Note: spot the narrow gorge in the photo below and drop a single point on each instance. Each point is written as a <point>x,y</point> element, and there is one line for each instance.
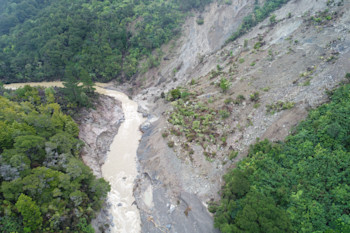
<point>167,137</point>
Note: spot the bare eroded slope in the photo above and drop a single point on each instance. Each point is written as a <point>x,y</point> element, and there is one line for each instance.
<point>294,61</point>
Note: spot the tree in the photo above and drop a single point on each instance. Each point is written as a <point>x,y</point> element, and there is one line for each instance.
<point>175,94</point>
<point>224,84</point>
<point>260,214</point>
<point>273,19</point>
<point>71,86</point>
<point>32,219</point>
<point>65,143</point>
<point>6,139</point>
<point>32,146</point>
<point>88,84</point>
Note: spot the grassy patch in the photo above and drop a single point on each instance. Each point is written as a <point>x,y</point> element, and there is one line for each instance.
<point>279,106</point>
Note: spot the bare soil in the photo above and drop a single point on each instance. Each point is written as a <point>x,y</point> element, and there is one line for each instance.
<point>298,60</point>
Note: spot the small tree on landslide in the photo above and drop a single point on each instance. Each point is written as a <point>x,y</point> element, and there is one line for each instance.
<point>224,84</point>
<point>273,19</point>
<point>175,94</point>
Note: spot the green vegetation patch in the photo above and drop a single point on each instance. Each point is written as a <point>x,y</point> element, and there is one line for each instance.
<point>255,97</point>
<point>323,17</point>
<point>108,39</point>
<point>200,21</point>
<point>239,99</point>
<point>299,185</point>
<point>224,84</point>
<point>197,122</point>
<point>279,106</point>
<point>44,185</point>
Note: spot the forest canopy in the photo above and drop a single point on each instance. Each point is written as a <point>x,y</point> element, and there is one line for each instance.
<point>107,39</point>
<point>299,185</point>
<point>44,185</point>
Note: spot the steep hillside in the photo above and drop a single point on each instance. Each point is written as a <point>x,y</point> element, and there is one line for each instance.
<point>107,39</point>
<point>258,86</point>
<point>238,73</point>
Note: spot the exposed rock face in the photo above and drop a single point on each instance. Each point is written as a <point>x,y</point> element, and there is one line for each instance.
<point>170,190</point>
<point>198,43</point>
<point>97,129</point>
<point>165,204</point>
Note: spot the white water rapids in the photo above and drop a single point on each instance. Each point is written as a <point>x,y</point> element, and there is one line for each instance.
<point>119,168</point>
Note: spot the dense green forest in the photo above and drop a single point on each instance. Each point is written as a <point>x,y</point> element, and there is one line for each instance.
<point>107,39</point>
<point>44,185</point>
<point>299,185</point>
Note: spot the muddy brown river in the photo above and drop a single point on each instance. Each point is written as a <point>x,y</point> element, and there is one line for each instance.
<point>119,168</point>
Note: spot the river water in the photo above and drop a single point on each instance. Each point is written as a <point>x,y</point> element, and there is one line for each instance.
<point>119,168</point>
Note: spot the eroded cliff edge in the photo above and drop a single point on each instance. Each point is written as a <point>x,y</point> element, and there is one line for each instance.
<point>98,128</point>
